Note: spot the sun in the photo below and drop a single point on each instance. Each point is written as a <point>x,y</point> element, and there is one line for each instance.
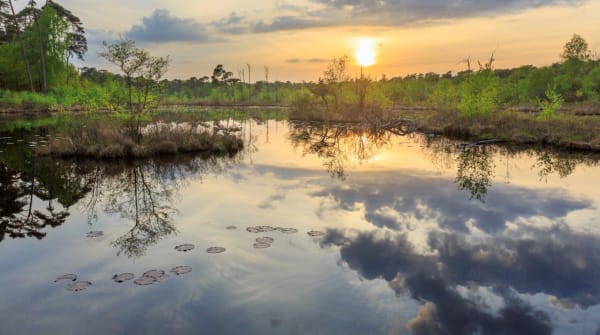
<point>364,51</point>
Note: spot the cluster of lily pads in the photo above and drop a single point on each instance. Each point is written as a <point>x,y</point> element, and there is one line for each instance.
<point>74,286</point>
<point>156,275</point>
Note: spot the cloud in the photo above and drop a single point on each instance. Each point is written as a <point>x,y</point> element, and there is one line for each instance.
<point>307,60</point>
<point>447,312</point>
<point>558,263</point>
<point>163,27</point>
<point>386,206</point>
<point>402,12</point>
<point>325,13</point>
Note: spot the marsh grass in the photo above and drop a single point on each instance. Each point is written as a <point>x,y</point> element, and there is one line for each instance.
<point>111,139</point>
<point>564,130</point>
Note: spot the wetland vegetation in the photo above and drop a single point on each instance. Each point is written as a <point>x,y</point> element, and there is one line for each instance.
<point>455,203</point>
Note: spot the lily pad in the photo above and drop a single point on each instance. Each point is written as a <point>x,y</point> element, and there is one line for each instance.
<point>154,274</point>
<point>185,247</point>
<point>70,276</point>
<point>215,250</point>
<point>143,281</point>
<point>266,239</point>
<point>123,277</point>
<point>78,286</point>
<point>260,229</point>
<point>261,245</point>
<point>315,233</point>
<point>286,230</point>
<point>179,270</point>
<point>94,234</point>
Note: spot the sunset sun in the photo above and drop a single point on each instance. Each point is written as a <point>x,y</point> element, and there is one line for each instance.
<point>364,51</point>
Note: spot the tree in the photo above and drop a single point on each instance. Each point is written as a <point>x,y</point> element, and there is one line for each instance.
<point>221,76</point>
<point>576,48</point>
<point>136,64</point>
<point>35,13</point>
<point>76,33</point>
<point>23,52</point>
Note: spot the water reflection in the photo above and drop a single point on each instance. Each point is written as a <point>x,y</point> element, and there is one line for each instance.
<point>141,192</point>
<point>447,249</point>
<point>20,217</point>
<point>343,145</point>
<point>475,170</point>
<point>338,144</point>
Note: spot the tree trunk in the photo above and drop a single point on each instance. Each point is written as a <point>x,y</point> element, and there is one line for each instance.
<point>23,53</point>
<point>42,54</point>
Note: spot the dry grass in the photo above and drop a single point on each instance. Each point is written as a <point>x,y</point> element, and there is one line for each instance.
<point>564,131</point>
<point>110,140</point>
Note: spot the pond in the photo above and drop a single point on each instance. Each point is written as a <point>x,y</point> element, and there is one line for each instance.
<point>312,229</point>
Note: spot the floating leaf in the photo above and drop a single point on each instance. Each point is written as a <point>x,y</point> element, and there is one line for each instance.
<point>261,245</point>
<point>260,229</point>
<point>70,276</point>
<point>179,270</point>
<point>156,274</point>
<point>215,250</point>
<point>315,233</point>
<point>94,234</point>
<point>266,239</point>
<point>184,247</point>
<point>123,277</point>
<point>287,230</point>
<point>78,286</point>
<point>231,227</point>
<point>144,281</point>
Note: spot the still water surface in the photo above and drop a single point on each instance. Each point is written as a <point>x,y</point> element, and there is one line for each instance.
<point>421,236</point>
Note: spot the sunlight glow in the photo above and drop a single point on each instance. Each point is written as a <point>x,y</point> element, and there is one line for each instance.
<point>364,51</point>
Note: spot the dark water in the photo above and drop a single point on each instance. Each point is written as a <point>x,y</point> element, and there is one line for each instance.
<point>421,237</point>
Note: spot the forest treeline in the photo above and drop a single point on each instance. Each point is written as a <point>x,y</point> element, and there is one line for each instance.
<point>38,44</point>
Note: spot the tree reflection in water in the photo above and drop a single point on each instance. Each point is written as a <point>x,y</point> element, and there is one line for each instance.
<point>19,217</point>
<point>339,144</point>
<point>475,170</point>
<point>143,193</point>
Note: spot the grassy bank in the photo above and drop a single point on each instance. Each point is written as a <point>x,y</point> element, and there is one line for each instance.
<point>107,137</point>
<point>565,130</point>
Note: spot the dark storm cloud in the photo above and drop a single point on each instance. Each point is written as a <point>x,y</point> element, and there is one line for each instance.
<point>161,26</point>
<point>558,263</point>
<point>410,197</point>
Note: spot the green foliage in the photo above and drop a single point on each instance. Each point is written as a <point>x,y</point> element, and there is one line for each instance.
<point>576,48</point>
<point>550,105</point>
<point>478,93</point>
<point>591,84</point>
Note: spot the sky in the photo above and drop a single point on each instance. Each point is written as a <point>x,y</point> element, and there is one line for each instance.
<point>296,39</point>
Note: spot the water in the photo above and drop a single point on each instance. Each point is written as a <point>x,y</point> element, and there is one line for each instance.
<point>421,236</point>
